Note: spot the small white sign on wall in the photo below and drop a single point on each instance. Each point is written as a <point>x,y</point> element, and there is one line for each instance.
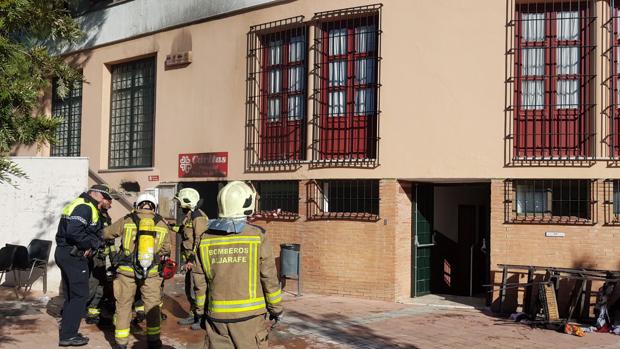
<point>554,234</point>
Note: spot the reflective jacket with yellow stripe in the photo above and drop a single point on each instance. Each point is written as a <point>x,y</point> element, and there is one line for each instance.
<point>126,229</point>
<point>194,224</point>
<point>241,274</point>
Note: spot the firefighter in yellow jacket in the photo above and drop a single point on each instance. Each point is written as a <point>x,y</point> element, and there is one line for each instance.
<point>193,225</point>
<point>145,242</point>
<point>241,274</point>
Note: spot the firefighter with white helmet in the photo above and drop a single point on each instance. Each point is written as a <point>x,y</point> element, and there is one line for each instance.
<point>145,243</point>
<point>241,274</point>
<point>193,225</point>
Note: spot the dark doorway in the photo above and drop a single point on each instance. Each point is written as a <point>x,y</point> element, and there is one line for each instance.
<point>450,226</point>
<point>208,193</point>
<point>464,269</point>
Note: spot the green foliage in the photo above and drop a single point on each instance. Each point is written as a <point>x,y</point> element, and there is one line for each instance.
<point>26,71</point>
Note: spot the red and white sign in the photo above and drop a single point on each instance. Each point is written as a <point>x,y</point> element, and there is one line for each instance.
<point>203,165</point>
<point>154,178</point>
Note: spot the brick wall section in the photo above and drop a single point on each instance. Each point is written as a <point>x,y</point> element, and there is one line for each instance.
<point>352,258</point>
<point>593,246</point>
<point>403,234</point>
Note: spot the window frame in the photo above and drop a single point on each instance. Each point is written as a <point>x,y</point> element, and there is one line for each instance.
<point>555,192</point>
<point>613,131</point>
<point>71,144</point>
<point>612,201</point>
<point>318,199</point>
<point>276,144</point>
<point>148,104</point>
<point>351,139</point>
<point>279,213</point>
<point>551,132</point>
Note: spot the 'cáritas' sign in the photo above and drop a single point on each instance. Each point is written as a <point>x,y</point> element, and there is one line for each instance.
<point>203,165</point>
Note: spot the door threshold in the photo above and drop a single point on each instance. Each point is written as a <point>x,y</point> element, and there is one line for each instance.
<point>448,301</point>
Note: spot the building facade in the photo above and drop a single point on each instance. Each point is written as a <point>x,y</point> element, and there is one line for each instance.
<point>409,147</point>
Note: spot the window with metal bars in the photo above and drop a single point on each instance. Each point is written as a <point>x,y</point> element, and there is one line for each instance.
<point>278,199</point>
<point>611,106</point>
<point>612,201</point>
<point>277,93</point>
<point>346,87</point>
<point>557,201</point>
<point>550,81</point>
<point>69,111</point>
<point>132,114</point>
<point>356,199</point>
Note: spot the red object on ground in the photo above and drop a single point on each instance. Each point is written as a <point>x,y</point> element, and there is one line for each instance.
<point>169,269</point>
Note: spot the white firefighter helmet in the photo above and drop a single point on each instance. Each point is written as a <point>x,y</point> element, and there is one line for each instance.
<point>147,197</point>
<point>188,198</point>
<point>236,200</point>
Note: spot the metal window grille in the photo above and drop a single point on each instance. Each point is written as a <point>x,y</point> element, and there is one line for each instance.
<point>69,110</point>
<point>276,95</point>
<point>346,113</point>
<point>278,199</point>
<point>611,201</point>
<point>132,114</point>
<point>355,199</point>
<point>550,83</point>
<point>557,201</point>
<point>611,82</point>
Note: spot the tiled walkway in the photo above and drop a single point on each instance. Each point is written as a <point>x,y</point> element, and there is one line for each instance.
<point>313,321</point>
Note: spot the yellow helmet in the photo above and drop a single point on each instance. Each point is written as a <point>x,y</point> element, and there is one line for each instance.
<point>236,200</point>
<point>188,198</point>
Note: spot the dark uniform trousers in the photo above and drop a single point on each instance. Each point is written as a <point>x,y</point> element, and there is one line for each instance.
<point>75,276</point>
<point>96,282</point>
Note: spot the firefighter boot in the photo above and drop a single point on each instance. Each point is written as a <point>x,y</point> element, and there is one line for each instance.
<point>196,326</point>
<point>93,316</point>
<point>156,344</point>
<point>190,320</point>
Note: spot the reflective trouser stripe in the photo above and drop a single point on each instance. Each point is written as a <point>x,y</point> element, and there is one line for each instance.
<point>93,311</point>
<point>236,306</point>
<point>139,308</point>
<point>274,298</point>
<point>124,333</point>
<point>153,330</point>
<point>200,300</point>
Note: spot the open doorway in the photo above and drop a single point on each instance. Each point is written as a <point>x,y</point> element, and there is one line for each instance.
<point>208,193</point>
<point>450,226</point>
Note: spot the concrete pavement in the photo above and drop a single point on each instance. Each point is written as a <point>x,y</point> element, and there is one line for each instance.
<point>310,321</point>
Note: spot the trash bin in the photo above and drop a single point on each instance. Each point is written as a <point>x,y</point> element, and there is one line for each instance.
<point>290,263</point>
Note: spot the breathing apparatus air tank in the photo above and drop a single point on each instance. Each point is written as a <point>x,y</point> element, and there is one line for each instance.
<point>146,244</point>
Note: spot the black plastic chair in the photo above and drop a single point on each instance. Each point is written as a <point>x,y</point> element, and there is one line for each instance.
<point>7,253</point>
<point>20,262</point>
<point>38,257</point>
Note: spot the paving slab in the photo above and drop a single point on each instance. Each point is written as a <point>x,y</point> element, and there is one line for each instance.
<point>310,321</point>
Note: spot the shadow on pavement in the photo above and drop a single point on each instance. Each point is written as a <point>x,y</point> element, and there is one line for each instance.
<point>11,317</point>
<point>337,329</point>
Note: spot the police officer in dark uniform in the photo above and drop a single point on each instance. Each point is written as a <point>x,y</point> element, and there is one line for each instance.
<point>79,235</point>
